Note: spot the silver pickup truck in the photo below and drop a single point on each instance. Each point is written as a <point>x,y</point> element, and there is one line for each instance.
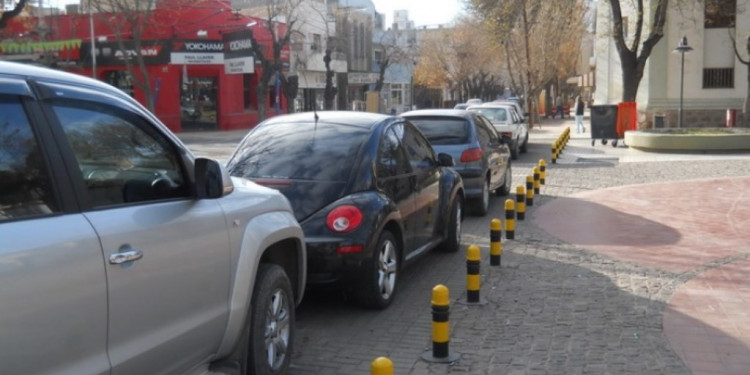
<point>122,253</point>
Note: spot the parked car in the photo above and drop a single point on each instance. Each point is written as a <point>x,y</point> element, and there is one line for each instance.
<point>507,122</point>
<point>461,106</point>
<point>122,252</point>
<point>482,156</point>
<point>368,189</point>
<point>474,101</point>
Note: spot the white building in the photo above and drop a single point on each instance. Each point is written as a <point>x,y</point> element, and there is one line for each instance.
<point>715,81</point>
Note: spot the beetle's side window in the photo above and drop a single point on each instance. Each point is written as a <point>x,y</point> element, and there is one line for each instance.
<point>25,184</point>
<point>391,159</point>
<point>418,149</point>
<point>122,159</point>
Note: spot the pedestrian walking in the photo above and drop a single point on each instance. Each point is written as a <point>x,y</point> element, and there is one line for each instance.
<point>579,115</point>
<point>559,105</point>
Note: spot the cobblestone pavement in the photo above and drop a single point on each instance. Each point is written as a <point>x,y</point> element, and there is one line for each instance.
<point>551,308</point>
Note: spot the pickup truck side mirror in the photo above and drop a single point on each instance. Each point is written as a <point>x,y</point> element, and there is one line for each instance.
<point>211,179</point>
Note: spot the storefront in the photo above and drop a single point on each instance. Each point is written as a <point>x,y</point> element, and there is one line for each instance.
<point>201,77</point>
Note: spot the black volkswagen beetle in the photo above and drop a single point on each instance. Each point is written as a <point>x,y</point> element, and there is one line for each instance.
<point>368,190</point>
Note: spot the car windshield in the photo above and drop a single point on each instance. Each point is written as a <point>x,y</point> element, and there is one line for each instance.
<point>300,151</point>
<point>443,130</point>
<point>494,114</point>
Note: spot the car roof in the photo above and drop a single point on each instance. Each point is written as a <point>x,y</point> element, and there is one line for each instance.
<point>36,72</point>
<point>493,105</point>
<point>438,112</point>
<point>351,118</point>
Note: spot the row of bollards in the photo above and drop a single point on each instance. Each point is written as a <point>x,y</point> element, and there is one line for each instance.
<point>440,301</point>
<point>557,147</point>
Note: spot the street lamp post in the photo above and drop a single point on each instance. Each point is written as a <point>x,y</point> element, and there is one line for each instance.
<point>682,48</point>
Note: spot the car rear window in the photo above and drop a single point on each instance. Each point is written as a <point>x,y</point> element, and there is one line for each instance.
<point>443,130</point>
<point>494,114</point>
<point>300,151</point>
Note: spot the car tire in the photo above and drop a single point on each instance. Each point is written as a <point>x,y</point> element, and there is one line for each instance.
<point>525,144</point>
<point>452,242</point>
<point>481,205</point>
<point>507,181</point>
<point>514,150</point>
<point>271,327</point>
<point>380,278</point>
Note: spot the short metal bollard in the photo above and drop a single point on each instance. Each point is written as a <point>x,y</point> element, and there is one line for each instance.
<point>529,191</point>
<point>473,260</point>
<point>381,366</point>
<point>520,203</point>
<point>553,153</point>
<point>496,244</point>
<point>510,221</point>
<point>440,327</point>
<point>542,171</point>
<point>537,176</point>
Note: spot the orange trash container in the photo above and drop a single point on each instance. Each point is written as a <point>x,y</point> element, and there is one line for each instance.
<point>627,117</point>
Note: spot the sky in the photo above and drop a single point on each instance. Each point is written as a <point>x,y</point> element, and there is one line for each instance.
<point>422,12</point>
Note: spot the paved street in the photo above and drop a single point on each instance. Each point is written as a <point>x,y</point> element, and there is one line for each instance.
<point>628,263</point>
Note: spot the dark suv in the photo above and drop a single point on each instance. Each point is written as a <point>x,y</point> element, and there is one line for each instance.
<point>481,156</point>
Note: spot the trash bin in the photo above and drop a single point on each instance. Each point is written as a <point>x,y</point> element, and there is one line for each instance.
<point>731,117</point>
<point>603,123</point>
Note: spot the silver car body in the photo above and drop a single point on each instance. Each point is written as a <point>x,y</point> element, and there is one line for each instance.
<point>507,121</point>
<point>69,307</point>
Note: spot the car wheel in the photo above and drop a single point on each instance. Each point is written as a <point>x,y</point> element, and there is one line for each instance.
<point>481,205</point>
<point>514,150</point>
<point>507,181</point>
<point>271,318</point>
<point>379,281</point>
<point>525,145</point>
<point>452,242</point>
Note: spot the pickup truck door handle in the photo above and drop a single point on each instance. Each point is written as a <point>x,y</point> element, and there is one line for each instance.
<point>125,256</point>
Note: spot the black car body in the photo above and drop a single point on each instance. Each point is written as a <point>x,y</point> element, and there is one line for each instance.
<point>481,155</point>
<point>368,190</point>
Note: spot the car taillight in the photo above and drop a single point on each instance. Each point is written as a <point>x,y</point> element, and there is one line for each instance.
<point>350,249</point>
<point>344,219</point>
<point>470,155</point>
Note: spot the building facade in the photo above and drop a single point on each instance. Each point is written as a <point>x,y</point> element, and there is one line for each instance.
<point>197,59</point>
<point>713,84</point>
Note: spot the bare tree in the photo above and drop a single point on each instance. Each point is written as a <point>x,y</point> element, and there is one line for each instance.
<point>281,18</point>
<point>464,58</point>
<point>540,38</point>
<point>5,16</point>
<point>128,19</point>
<point>634,56</point>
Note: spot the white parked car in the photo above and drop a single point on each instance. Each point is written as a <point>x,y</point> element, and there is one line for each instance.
<point>507,121</point>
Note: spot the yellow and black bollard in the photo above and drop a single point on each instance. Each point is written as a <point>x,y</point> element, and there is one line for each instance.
<point>440,327</point>
<point>381,366</point>
<point>473,259</point>
<point>510,219</point>
<point>529,191</point>
<point>520,203</point>
<point>496,244</point>
<point>537,176</point>
<point>542,171</point>
<point>553,153</point>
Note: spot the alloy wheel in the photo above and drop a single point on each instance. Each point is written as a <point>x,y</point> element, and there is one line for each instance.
<point>278,331</point>
<point>387,269</point>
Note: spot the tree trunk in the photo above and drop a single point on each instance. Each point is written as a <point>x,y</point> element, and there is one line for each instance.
<point>527,47</point>
<point>632,72</point>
